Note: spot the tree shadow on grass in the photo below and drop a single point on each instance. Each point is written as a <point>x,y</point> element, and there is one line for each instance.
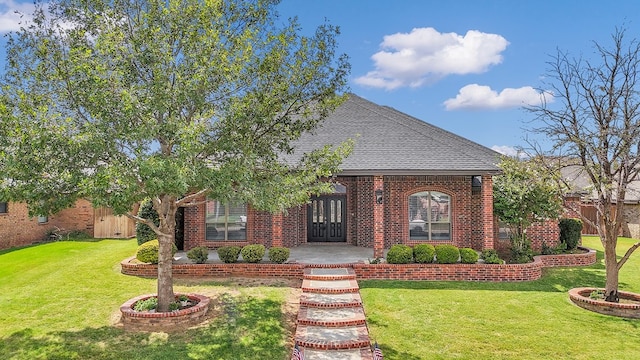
<point>559,279</point>
<point>243,328</point>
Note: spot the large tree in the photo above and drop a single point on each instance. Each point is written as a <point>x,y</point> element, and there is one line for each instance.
<point>173,100</point>
<point>594,125</point>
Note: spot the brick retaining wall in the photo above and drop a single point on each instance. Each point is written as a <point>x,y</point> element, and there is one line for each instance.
<point>439,272</point>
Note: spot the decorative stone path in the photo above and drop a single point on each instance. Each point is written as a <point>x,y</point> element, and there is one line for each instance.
<point>331,320</point>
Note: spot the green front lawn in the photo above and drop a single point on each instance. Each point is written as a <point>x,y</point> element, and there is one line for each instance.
<point>61,301</point>
<point>532,320</point>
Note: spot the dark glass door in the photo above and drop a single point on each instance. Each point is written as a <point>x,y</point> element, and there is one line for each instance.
<point>326,219</point>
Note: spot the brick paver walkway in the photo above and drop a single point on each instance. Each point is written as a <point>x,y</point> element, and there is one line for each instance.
<point>331,322</point>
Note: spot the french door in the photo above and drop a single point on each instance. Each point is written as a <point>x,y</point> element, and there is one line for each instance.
<point>326,219</point>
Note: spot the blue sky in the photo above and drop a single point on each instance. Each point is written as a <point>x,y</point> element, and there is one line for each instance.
<point>466,66</point>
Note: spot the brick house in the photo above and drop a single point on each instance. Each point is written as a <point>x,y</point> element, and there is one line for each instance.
<point>406,182</point>
<point>18,229</point>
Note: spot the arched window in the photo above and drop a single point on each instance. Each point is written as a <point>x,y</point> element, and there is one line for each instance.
<point>429,216</point>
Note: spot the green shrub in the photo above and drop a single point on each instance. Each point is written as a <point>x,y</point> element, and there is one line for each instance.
<point>400,254</point>
<point>229,254</point>
<point>423,253</point>
<point>253,253</point>
<point>551,250</point>
<point>198,255</point>
<point>490,256</point>
<point>570,232</point>
<point>279,254</point>
<point>148,252</point>
<point>468,256</point>
<point>146,304</point>
<point>447,254</point>
<point>144,232</point>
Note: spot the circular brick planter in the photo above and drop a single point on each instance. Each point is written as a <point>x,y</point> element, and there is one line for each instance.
<point>152,321</point>
<point>580,297</point>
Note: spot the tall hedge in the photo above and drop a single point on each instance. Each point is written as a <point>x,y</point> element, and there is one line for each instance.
<point>144,232</point>
<point>570,232</point>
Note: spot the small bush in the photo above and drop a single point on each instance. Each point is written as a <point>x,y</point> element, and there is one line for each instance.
<point>423,253</point>
<point>279,254</point>
<point>198,255</point>
<point>229,254</point>
<point>490,256</point>
<point>468,256</point>
<point>550,250</point>
<point>253,253</point>
<point>144,232</point>
<point>570,232</point>
<point>148,252</point>
<point>447,254</point>
<point>146,304</point>
<point>400,254</point>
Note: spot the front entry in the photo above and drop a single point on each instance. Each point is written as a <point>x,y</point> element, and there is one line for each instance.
<point>326,219</point>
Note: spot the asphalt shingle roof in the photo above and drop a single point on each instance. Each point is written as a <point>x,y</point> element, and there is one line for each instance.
<point>388,141</point>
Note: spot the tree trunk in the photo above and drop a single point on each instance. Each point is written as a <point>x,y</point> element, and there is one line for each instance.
<point>611,266</point>
<point>167,213</point>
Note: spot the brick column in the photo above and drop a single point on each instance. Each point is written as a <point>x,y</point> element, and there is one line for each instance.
<point>276,229</point>
<point>378,218</point>
<point>487,211</point>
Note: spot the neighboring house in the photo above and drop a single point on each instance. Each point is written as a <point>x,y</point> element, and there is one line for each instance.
<point>406,182</point>
<point>18,229</point>
<point>580,202</point>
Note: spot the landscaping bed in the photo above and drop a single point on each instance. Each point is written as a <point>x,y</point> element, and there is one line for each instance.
<point>190,313</point>
<point>445,272</point>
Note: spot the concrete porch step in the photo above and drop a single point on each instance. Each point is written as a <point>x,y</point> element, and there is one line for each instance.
<point>332,338</point>
<point>331,317</point>
<point>350,354</point>
<point>330,300</point>
<point>329,273</point>
<point>330,286</point>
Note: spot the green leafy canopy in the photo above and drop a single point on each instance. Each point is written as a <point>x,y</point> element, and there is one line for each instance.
<point>118,101</point>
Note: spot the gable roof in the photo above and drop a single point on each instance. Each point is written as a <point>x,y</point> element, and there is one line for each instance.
<point>389,142</point>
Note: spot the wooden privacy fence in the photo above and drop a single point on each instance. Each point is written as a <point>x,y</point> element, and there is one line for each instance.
<point>107,225</point>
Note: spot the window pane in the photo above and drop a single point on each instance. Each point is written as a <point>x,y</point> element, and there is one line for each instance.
<point>332,211</point>
<point>237,223</point>
<point>3,207</point>
<point>419,216</point>
<point>215,220</point>
<point>429,216</point>
<point>339,211</point>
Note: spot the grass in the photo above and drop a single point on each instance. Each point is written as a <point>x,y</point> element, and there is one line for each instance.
<point>61,301</point>
<point>530,320</point>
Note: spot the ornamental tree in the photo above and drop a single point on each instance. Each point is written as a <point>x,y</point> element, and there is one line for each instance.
<point>525,193</point>
<point>594,126</point>
<point>171,100</point>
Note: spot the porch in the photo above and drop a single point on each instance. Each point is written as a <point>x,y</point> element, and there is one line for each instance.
<point>311,253</point>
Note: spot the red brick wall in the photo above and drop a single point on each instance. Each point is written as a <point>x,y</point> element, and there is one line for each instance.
<point>439,272</point>
<point>18,229</point>
<point>467,210</point>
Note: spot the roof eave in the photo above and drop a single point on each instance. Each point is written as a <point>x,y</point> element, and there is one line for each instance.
<point>414,172</point>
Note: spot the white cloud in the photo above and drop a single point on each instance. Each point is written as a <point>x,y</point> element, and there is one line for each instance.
<point>425,55</point>
<point>476,96</point>
<point>506,150</point>
<point>14,14</point>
